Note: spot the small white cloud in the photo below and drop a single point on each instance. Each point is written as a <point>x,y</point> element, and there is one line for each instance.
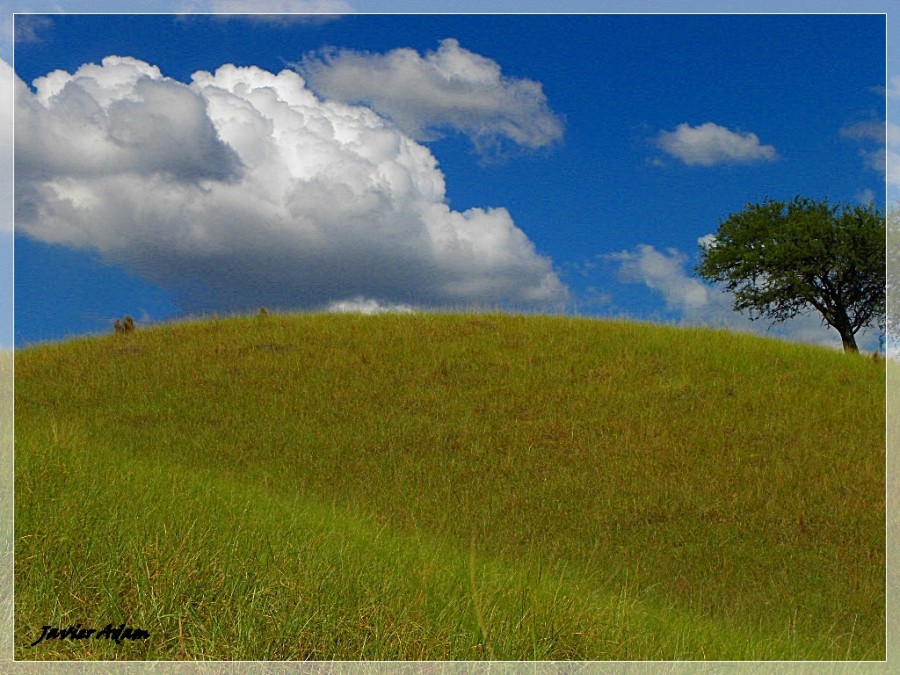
<point>362,305</point>
<point>451,88</point>
<point>886,139</point>
<point>866,196</point>
<point>663,272</point>
<point>707,240</point>
<point>710,144</point>
<point>876,159</point>
<point>869,130</point>
<point>31,27</point>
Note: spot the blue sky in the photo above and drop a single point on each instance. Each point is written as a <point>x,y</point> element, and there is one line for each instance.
<point>546,163</point>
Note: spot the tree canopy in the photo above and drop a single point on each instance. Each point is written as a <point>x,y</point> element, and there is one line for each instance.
<point>780,259</point>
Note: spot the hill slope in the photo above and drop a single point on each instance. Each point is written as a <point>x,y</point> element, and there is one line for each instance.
<point>449,487</point>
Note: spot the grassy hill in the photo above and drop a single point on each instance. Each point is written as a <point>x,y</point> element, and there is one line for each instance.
<point>449,487</point>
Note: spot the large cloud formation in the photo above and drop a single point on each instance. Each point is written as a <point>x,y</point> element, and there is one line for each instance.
<point>451,88</point>
<point>246,188</point>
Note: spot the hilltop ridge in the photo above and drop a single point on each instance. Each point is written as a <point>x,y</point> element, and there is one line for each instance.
<point>452,486</point>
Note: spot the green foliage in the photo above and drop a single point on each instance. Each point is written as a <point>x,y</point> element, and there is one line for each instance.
<point>780,259</point>
<point>439,487</point>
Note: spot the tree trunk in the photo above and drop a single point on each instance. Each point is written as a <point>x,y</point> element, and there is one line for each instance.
<point>849,340</point>
<point>841,323</point>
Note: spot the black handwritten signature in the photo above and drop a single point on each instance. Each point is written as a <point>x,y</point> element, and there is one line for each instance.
<point>119,634</point>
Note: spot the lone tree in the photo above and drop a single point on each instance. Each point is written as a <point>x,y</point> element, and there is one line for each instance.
<point>781,259</point>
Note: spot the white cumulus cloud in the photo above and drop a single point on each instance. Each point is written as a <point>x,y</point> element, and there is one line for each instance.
<point>710,144</point>
<point>244,188</point>
<point>119,118</point>
<point>663,272</point>
<point>696,303</point>
<point>873,137</point>
<point>451,88</point>
<point>360,305</point>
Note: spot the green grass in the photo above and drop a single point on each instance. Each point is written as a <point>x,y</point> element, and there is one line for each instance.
<point>437,487</point>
